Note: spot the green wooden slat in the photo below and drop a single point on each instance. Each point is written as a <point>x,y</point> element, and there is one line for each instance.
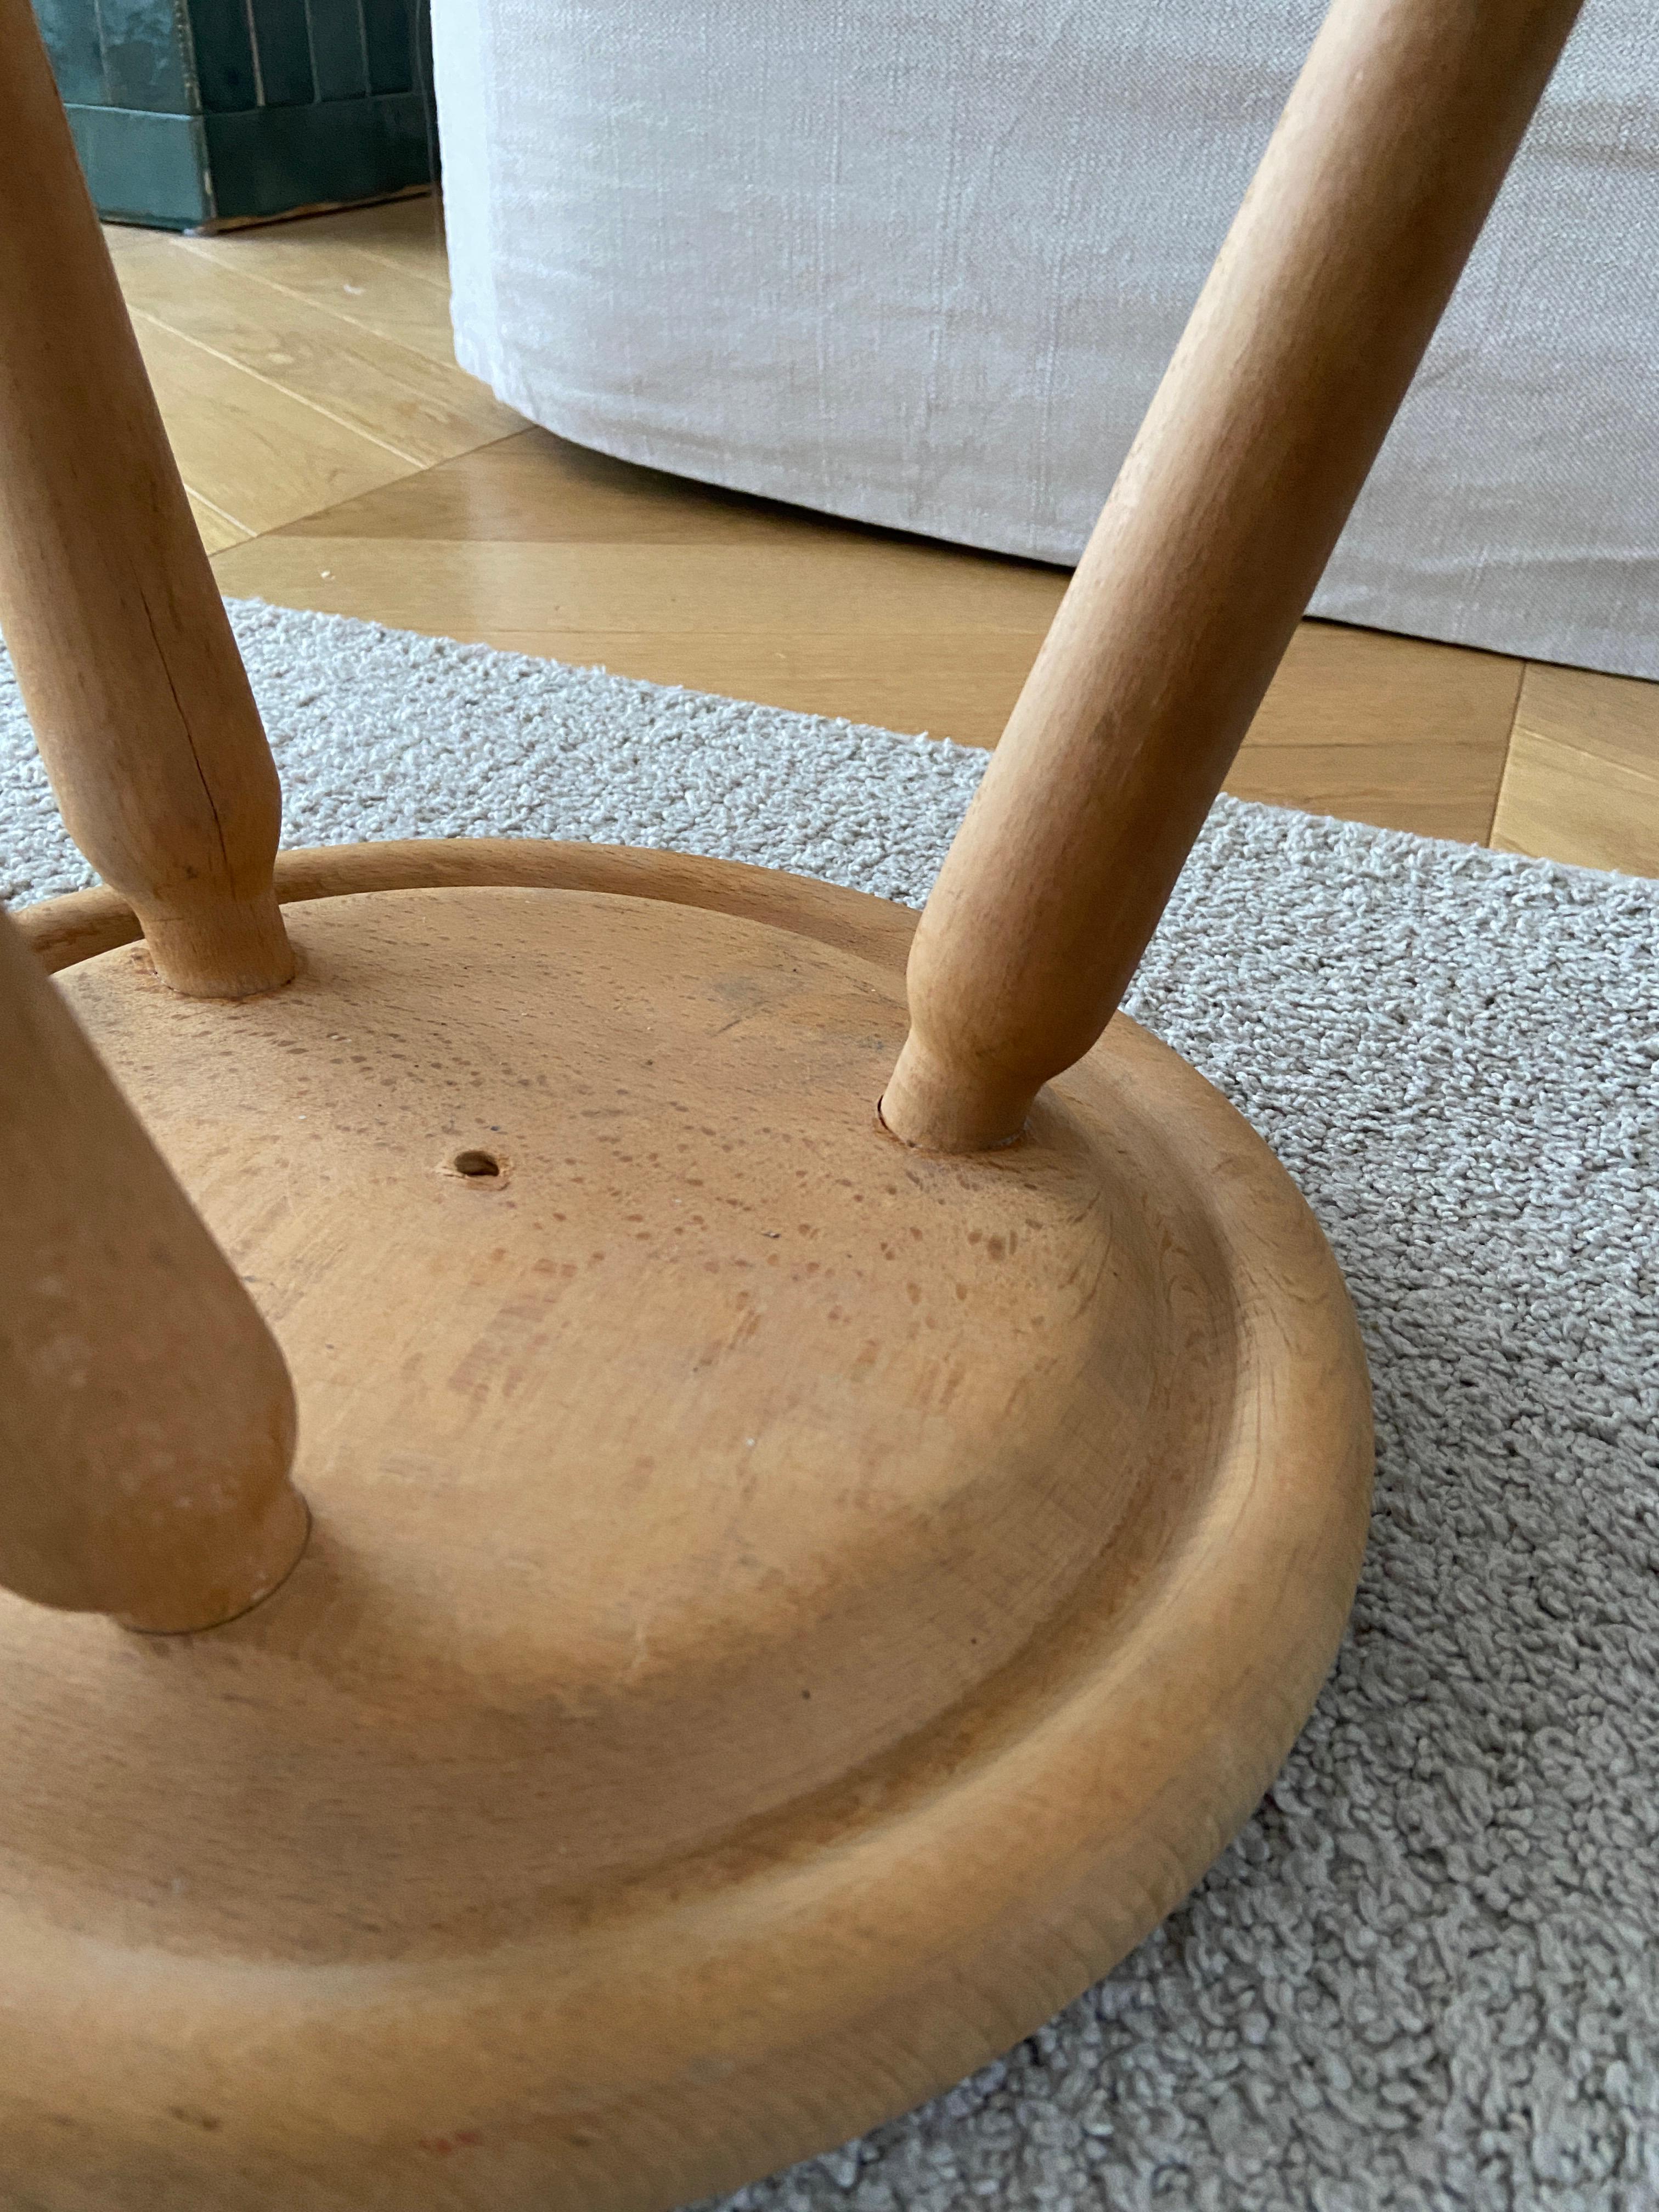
<point>145,53</point>
<point>282,37</point>
<point>224,54</point>
<point>268,160</point>
<point>388,29</point>
<point>336,47</point>
<point>152,168</point>
<point>70,28</point>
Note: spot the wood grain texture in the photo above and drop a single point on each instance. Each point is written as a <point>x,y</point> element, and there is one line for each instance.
<point>122,649</point>
<point>407,235</point>
<point>816,617</point>
<point>778,583</point>
<point>1302,345</point>
<point>418,409</point>
<point>341,279</point>
<point>1395,731</point>
<point>537,488</point>
<point>215,531</point>
<point>61,932</point>
<point>1581,782</point>
<point>726,1523</point>
<point>254,451</point>
<point>147,1421</point>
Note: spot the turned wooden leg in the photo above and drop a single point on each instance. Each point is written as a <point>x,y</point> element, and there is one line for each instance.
<point>126,661</point>
<point>1299,351</point>
<point>146,1417</point>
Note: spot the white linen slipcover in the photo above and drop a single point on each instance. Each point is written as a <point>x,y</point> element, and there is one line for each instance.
<point>921,262</point>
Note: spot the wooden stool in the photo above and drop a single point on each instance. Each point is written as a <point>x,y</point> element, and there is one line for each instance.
<point>774,1595</point>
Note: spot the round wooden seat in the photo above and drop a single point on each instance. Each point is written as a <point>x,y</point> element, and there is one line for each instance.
<point>750,1557</point>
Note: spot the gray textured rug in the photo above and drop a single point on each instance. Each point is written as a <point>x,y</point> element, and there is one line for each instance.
<point>1427,1974</point>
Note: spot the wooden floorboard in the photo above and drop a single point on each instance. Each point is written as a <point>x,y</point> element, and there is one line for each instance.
<point>1581,782</point>
<point>416,407</point>
<point>539,488</point>
<point>338,458</point>
<point>251,451</point>
<point>541,547</point>
<point>1383,729</point>
<point>406,233</point>
<point>218,531</point>
<point>344,282</point>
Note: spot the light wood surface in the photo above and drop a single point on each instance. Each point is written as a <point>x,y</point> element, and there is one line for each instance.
<point>1582,779</point>
<point>1395,731</point>
<point>538,546</point>
<point>254,451</point>
<point>298,366</point>
<point>146,1417</point>
<point>419,410</point>
<point>63,932</point>
<point>216,531</point>
<point>782,1614</point>
<point>1298,353</point>
<point>406,234</point>
<point>1401,731</point>
<point>119,636</point>
<point>404,301</point>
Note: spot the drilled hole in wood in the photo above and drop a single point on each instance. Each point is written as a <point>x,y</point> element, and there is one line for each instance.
<point>476,1166</point>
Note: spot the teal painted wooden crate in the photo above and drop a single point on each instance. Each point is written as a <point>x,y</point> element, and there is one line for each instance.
<point>189,112</point>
